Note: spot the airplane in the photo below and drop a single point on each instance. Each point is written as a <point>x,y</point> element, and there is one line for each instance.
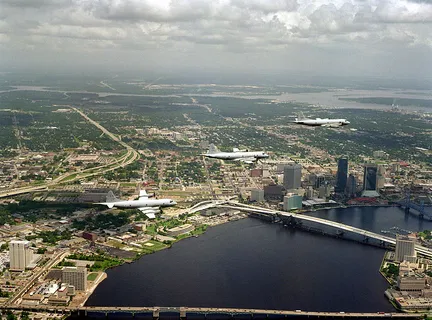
<point>320,122</point>
<point>245,156</point>
<point>147,206</point>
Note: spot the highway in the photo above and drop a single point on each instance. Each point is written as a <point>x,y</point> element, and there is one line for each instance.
<point>340,226</point>
<point>131,156</point>
<point>184,311</point>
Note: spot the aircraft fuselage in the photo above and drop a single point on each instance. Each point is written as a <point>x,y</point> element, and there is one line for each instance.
<point>143,203</point>
<point>237,155</point>
<point>323,122</point>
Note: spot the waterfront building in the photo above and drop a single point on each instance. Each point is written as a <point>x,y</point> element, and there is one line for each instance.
<point>370,176</point>
<point>411,282</point>
<point>257,195</point>
<point>20,254</point>
<point>351,187</point>
<point>309,193</point>
<point>405,248</point>
<point>185,228</point>
<point>341,175</point>
<point>292,176</point>
<point>324,191</point>
<point>75,276</point>
<point>292,202</point>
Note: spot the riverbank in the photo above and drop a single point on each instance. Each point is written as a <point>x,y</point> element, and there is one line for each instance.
<point>82,298</point>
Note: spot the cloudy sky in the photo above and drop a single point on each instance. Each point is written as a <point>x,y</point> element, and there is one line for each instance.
<point>349,37</point>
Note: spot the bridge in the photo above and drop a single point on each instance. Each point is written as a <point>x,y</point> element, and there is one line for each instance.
<point>205,313</point>
<point>288,216</point>
<point>408,205</point>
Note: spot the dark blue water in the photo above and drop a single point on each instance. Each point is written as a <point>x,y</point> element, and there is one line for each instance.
<point>254,264</point>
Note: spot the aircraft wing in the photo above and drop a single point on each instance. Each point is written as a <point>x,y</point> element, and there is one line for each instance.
<point>150,212</point>
<point>246,160</point>
<point>332,125</point>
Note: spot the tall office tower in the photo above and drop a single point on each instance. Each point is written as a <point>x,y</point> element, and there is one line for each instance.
<point>404,249</point>
<point>20,254</point>
<point>351,187</point>
<point>292,176</point>
<point>370,177</point>
<point>341,176</point>
<point>75,276</point>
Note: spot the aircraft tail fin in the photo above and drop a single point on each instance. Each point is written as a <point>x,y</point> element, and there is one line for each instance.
<point>300,116</point>
<point>111,197</point>
<point>213,149</point>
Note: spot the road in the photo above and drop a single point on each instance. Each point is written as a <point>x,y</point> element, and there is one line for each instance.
<point>55,259</point>
<point>131,156</point>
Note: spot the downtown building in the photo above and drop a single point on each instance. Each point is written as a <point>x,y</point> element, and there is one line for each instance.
<point>342,175</point>
<point>370,181</point>
<point>351,186</point>
<point>20,254</point>
<point>405,249</point>
<point>292,176</point>
<point>292,202</point>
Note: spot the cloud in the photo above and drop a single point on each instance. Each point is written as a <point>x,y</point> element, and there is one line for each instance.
<point>222,29</point>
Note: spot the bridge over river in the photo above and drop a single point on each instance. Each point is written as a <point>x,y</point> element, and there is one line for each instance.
<point>206,313</point>
<point>288,216</point>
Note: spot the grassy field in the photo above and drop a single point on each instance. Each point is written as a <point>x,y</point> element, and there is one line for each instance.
<point>92,276</point>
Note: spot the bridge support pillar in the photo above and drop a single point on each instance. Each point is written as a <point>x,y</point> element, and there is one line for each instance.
<point>156,314</point>
<point>407,209</point>
<point>366,239</point>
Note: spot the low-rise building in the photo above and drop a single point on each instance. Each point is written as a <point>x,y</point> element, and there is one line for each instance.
<point>411,282</point>
<point>185,228</point>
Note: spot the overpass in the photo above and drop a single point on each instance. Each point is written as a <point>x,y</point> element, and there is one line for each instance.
<point>206,313</point>
<point>302,217</point>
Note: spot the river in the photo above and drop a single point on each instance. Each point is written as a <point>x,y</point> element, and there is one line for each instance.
<point>254,264</point>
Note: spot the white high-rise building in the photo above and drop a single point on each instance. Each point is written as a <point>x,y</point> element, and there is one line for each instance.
<point>76,277</point>
<point>20,254</point>
<point>405,249</point>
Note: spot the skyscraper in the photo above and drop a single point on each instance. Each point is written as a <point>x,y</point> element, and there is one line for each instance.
<point>404,249</point>
<point>341,176</point>
<point>351,187</point>
<point>292,176</point>
<point>370,177</point>
<point>20,254</point>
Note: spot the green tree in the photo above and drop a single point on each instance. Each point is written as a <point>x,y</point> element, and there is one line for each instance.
<point>25,315</point>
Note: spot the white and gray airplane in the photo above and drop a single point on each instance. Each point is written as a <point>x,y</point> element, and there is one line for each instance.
<point>320,122</point>
<point>147,206</point>
<point>237,155</point>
